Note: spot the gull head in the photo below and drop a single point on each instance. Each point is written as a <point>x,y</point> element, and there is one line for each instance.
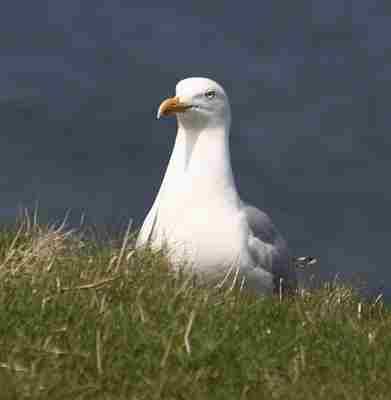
<point>198,103</point>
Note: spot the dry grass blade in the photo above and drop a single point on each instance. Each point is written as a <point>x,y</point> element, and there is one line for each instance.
<point>166,352</point>
<point>123,247</point>
<point>99,352</point>
<point>92,285</point>
<point>188,330</point>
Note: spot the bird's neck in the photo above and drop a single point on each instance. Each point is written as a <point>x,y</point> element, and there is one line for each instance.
<point>200,165</point>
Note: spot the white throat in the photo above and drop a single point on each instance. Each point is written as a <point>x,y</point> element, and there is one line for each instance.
<point>199,169</point>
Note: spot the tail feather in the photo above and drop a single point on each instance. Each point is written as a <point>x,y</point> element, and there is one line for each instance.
<point>303,262</point>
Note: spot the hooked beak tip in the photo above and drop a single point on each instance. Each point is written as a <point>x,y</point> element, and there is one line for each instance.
<point>171,106</point>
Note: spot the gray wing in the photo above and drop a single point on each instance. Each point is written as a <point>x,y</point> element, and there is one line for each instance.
<point>269,249</point>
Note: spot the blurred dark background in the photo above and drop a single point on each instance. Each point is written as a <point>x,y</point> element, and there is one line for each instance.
<point>309,83</point>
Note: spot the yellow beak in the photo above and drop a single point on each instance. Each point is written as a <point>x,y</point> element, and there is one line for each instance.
<point>171,106</point>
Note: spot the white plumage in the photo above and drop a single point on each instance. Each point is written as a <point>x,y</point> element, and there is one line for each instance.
<point>198,213</point>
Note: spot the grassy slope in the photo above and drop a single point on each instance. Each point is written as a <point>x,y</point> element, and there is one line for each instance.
<point>81,320</point>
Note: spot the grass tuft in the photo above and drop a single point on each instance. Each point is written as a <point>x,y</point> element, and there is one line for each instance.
<point>86,319</point>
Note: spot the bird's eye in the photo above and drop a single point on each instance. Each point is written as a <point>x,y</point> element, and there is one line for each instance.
<point>210,94</point>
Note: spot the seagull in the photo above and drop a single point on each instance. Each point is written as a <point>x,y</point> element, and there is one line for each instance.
<point>198,215</point>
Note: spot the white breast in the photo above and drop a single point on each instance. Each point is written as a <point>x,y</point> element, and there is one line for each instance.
<point>206,246</point>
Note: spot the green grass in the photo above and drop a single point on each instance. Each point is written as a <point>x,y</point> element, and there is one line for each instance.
<point>82,319</point>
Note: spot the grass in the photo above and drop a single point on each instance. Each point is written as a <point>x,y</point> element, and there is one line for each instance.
<point>88,319</point>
